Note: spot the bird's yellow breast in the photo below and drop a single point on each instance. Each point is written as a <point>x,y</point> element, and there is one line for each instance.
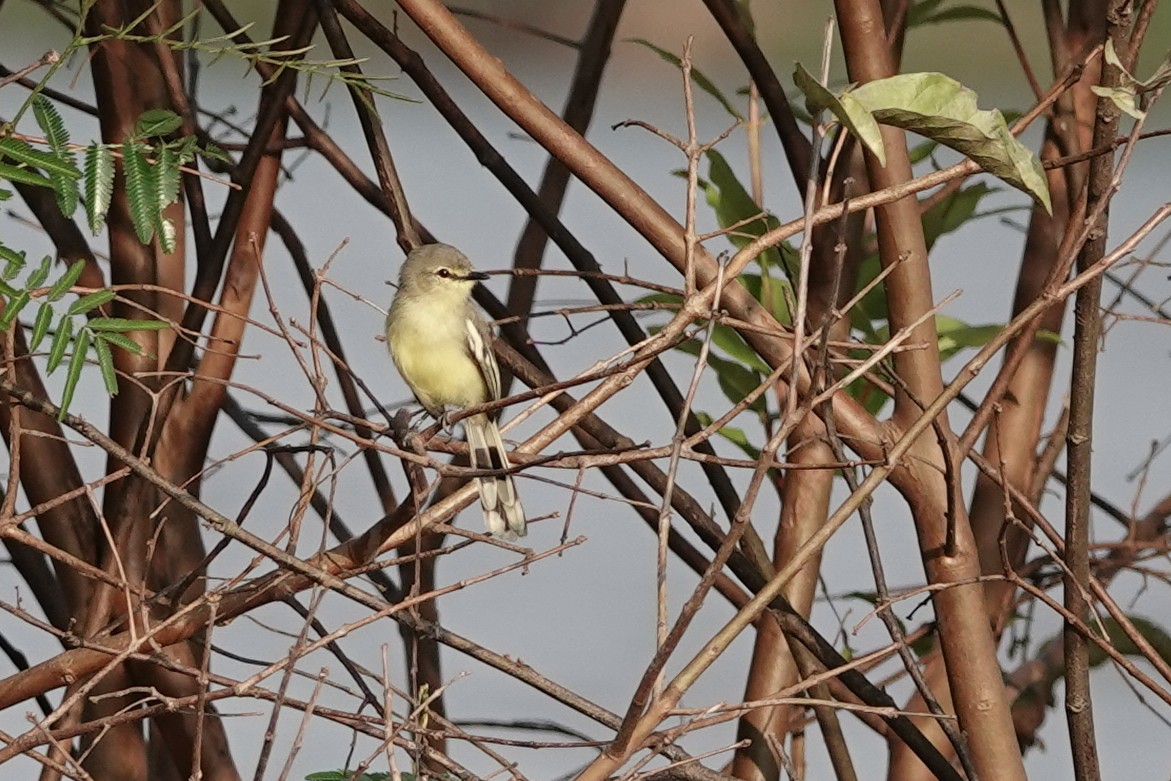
<point>432,356</point>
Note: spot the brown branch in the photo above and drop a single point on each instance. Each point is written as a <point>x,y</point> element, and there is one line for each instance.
<point>946,543</point>
<point>372,128</point>
<point>798,151</point>
<point>1079,436</point>
<point>592,58</point>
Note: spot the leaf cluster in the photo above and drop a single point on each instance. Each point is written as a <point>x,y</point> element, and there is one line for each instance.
<point>151,164</point>
<point>930,104</point>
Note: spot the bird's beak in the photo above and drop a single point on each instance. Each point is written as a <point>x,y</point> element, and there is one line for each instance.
<point>476,276</point>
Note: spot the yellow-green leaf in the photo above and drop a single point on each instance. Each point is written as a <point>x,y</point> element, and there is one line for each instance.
<point>91,301</point>
<point>99,184</point>
<point>61,341</point>
<point>106,365</point>
<point>73,375</point>
<point>40,326</point>
<point>67,280</point>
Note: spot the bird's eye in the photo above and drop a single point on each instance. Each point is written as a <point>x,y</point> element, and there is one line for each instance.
<point>444,273</point>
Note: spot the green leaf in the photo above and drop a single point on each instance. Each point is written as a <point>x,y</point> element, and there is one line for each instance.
<point>40,326</point>
<point>90,302</point>
<point>185,149</point>
<point>38,277</point>
<point>1124,98</point>
<point>57,137</point>
<point>99,184</point>
<point>106,365</point>
<point>23,176</point>
<point>65,191</point>
<point>868,395</point>
<point>772,295</point>
<point>51,124</point>
<point>854,116</point>
<point>734,379</point>
<point>734,435</point>
<point>921,151</point>
<point>697,76</point>
<point>61,340</point>
<point>925,12</point>
<point>141,188</point>
<point>872,308</point>
<point>167,173</point>
<point>73,374</point>
<point>734,206</point>
<point>165,230</point>
<point>21,152</point>
<point>942,109</point>
<point>955,335</point>
<point>924,645</point>
<point>157,122</point>
<point>12,309</point>
<point>126,324</point>
<point>728,339</point>
<point>1147,629</point>
<point>950,213</point>
<point>14,263</point>
<point>123,341</point>
<point>1126,95</point>
<point>67,280</point>
<point>920,10</point>
<point>210,151</point>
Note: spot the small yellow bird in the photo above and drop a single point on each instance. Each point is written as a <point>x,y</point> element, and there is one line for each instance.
<point>443,349</point>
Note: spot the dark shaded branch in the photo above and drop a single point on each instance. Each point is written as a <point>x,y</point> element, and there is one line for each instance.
<point>372,128</point>
<point>593,56</point>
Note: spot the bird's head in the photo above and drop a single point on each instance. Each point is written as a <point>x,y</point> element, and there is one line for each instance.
<point>433,268</point>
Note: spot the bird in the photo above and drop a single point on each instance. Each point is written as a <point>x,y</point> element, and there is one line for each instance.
<point>442,347</point>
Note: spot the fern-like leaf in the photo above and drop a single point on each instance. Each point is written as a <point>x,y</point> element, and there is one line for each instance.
<point>167,168</point>
<point>57,137</point>
<point>123,341</point>
<point>126,324</point>
<point>51,123</point>
<point>90,302</point>
<point>13,264</point>
<point>22,152</point>
<point>66,192</point>
<point>140,190</point>
<point>67,280</point>
<point>99,184</point>
<point>61,341</point>
<point>73,377</point>
<point>12,309</point>
<point>40,326</point>
<point>157,122</point>
<point>106,364</point>
<point>210,151</point>
<point>38,277</point>
<point>165,230</point>
<point>185,150</point>
<point>23,176</point>
<point>167,174</point>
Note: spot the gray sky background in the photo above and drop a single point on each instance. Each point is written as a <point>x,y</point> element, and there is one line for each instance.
<point>586,619</point>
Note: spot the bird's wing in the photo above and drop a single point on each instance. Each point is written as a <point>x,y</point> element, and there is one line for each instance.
<point>480,348</point>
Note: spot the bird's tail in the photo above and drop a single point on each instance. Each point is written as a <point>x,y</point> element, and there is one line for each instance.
<point>503,515</point>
